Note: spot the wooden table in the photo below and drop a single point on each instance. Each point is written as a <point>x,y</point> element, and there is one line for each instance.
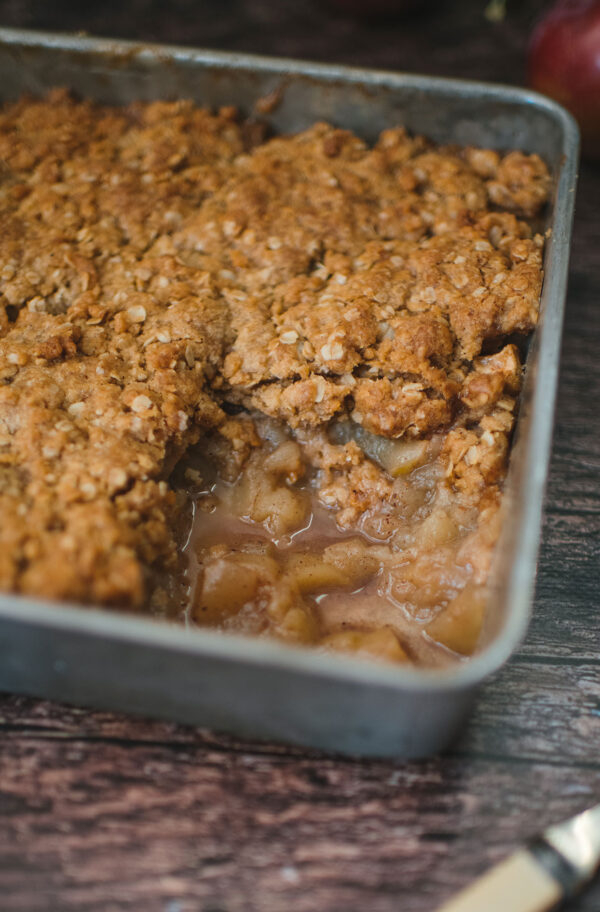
<point>103,812</point>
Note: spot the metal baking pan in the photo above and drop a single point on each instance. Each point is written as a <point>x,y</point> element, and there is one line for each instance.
<point>264,689</point>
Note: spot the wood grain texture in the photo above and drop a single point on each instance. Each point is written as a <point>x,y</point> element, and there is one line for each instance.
<point>102,812</point>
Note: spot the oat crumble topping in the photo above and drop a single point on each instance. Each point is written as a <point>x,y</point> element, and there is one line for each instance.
<point>166,273</point>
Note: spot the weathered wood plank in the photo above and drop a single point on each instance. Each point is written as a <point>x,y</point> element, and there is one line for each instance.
<point>125,824</point>
<point>122,807</point>
<point>566,620</point>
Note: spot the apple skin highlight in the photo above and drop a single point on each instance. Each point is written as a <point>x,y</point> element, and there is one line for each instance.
<point>564,63</point>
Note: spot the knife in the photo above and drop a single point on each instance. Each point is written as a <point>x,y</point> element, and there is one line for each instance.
<point>552,867</point>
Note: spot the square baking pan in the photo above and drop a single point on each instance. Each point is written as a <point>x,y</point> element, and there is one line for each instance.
<point>259,688</point>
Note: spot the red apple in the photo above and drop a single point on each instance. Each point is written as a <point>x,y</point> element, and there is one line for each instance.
<point>564,62</point>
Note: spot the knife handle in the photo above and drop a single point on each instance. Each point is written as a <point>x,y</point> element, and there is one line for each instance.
<point>519,884</point>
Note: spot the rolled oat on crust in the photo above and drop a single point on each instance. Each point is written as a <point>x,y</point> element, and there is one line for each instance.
<point>155,264</point>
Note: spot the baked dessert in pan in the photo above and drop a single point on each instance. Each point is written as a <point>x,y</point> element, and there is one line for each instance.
<point>263,384</point>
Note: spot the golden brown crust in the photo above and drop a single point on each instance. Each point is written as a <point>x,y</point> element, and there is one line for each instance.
<point>152,264</point>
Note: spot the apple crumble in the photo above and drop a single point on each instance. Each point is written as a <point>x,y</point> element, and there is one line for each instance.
<point>265,385</point>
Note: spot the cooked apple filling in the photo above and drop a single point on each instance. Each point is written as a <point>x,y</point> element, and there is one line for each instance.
<point>341,539</point>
